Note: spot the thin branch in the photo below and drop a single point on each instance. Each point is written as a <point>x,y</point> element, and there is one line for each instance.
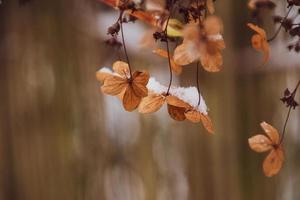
<point>288,114</point>
<point>124,44</point>
<point>168,49</point>
<point>278,30</point>
<point>197,80</point>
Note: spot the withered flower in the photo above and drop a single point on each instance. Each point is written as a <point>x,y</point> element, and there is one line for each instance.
<point>261,143</point>
<point>180,101</point>
<point>259,41</point>
<point>203,43</point>
<point>130,89</point>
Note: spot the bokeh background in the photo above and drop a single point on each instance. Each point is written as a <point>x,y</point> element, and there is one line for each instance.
<point>61,139</point>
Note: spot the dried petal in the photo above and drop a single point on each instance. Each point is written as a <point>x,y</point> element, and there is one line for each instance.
<point>271,132</point>
<point>211,62</point>
<point>114,85</point>
<point>130,99</point>
<point>186,53</point>
<point>257,29</point>
<point>101,76</point>
<point>213,25</point>
<point>177,113</point>
<point>207,123</point>
<point>210,6</point>
<point>174,101</point>
<point>139,82</point>
<point>121,68</point>
<point>259,41</point>
<point>260,143</point>
<point>151,103</point>
<point>273,162</point>
<point>193,116</point>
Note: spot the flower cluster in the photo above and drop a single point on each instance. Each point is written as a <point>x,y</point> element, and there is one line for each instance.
<point>273,142</point>
<point>200,33</point>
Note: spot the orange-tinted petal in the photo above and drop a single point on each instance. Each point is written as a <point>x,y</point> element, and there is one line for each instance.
<point>114,85</point>
<point>101,76</point>
<point>186,53</point>
<point>213,25</point>
<point>271,132</point>
<point>257,29</point>
<point>193,116</point>
<point>210,6</point>
<point>151,103</point>
<point>121,68</point>
<point>139,83</point>
<point>260,143</point>
<point>130,99</point>
<point>211,62</point>
<point>175,101</point>
<point>207,123</point>
<point>176,113</point>
<point>273,162</point>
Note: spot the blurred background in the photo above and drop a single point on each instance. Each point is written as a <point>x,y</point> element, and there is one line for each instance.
<point>61,139</point>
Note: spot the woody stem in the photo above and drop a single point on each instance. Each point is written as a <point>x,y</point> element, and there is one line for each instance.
<point>168,49</point>
<point>278,30</point>
<point>197,79</point>
<point>124,44</point>
<point>288,114</point>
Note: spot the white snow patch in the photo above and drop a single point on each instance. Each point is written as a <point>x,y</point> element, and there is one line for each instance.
<point>188,95</point>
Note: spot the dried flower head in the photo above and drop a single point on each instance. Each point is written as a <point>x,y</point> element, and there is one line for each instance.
<point>203,43</point>
<point>261,143</point>
<point>131,88</point>
<point>182,103</point>
<point>259,41</point>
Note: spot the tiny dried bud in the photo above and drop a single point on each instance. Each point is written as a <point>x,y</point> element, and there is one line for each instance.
<point>277,19</point>
<point>114,29</point>
<point>288,99</point>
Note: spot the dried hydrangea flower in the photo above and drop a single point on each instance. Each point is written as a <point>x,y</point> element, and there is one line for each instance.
<point>131,89</point>
<point>204,44</point>
<point>259,41</point>
<point>261,143</point>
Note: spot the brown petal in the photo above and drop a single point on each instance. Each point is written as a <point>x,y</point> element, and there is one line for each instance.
<point>121,68</point>
<point>273,162</point>
<point>151,103</point>
<point>193,116</point>
<point>210,6</point>
<point>114,85</point>
<point>130,99</point>
<point>161,52</point>
<point>101,76</point>
<point>271,132</point>
<point>212,62</point>
<point>177,69</point>
<point>207,123</point>
<point>256,41</point>
<point>186,53</point>
<point>257,29</point>
<point>260,143</point>
<point>177,113</point>
<point>213,25</point>
<point>139,83</point>
<point>174,101</point>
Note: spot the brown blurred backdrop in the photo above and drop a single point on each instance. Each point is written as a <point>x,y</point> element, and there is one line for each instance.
<point>61,139</point>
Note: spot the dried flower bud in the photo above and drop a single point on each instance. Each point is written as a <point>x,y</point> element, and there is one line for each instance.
<point>114,29</point>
